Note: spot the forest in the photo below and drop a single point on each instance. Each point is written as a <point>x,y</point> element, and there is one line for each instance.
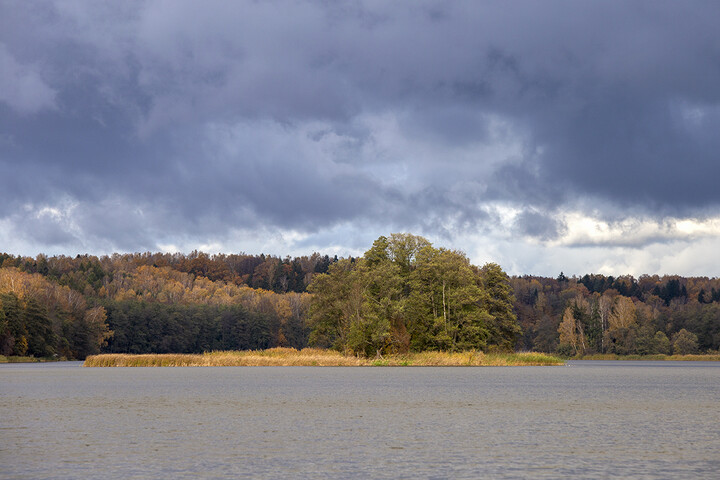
<point>402,295</point>
<point>623,315</point>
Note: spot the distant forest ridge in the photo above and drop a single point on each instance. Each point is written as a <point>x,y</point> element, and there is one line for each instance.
<point>293,274</point>
<point>280,275</point>
<point>160,302</point>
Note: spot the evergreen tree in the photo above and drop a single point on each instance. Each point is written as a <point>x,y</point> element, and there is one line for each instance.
<point>504,328</point>
<point>40,336</point>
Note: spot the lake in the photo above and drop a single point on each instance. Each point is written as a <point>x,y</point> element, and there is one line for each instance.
<point>585,420</point>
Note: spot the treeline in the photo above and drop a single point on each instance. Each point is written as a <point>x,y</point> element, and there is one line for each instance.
<point>280,275</point>
<point>623,315</point>
<point>402,295</point>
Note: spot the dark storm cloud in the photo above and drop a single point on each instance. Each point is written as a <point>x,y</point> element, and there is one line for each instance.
<point>535,224</point>
<point>46,228</point>
<point>182,117</point>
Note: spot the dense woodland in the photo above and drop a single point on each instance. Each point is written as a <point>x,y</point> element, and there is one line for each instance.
<point>623,315</point>
<point>154,303</point>
<point>402,295</point>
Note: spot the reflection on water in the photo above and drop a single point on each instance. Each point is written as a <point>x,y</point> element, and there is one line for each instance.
<point>585,420</point>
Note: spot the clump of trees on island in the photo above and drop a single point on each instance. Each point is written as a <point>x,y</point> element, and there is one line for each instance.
<point>402,295</point>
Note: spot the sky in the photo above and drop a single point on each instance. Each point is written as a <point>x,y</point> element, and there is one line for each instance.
<point>546,136</point>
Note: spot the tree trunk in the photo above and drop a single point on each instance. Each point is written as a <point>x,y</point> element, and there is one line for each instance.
<point>444,308</point>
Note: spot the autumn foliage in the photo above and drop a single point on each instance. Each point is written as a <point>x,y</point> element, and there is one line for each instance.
<point>595,314</point>
<point>74,307</point>
<point>402,295</point>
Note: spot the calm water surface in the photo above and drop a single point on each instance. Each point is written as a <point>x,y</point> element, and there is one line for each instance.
<point>584,420</point>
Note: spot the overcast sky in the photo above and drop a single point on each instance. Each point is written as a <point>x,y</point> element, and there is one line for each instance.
<point>547,136</point>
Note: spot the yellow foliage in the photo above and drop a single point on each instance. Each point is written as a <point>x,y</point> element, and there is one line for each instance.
<point>623,314</point>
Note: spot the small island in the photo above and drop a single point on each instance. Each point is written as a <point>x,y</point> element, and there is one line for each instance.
<point>321,358</point>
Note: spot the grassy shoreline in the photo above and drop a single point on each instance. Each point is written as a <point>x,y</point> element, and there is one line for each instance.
<point>319,357</point>
<point>20,359</point>
<point>17,359</point>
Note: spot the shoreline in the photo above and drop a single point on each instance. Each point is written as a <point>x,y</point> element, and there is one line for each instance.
<point>26,359</point>
<point>320,358</point>
<point>652,358</point>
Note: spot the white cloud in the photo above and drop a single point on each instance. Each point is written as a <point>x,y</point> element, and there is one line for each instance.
<point>634,232</point>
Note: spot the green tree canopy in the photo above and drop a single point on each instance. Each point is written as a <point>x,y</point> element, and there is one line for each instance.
<point>684,343</point>
<point>404,294</point>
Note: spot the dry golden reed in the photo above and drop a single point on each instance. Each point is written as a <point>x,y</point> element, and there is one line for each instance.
<point>317,357</point>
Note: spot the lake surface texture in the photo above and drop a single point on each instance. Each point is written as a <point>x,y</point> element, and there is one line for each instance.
<point>585,420</point>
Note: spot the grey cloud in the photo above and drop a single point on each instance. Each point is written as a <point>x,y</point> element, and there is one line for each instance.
<point>542,226</point>
<point>22,86</point>
<point>45,229</point>
<point>219,116</point>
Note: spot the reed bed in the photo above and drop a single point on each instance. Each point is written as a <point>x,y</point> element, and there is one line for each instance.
<point>26,359</point>
<point>317,357</point>
<point>469,359</point>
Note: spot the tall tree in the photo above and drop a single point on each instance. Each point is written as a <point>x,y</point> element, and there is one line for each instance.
<point>622,332</point>
<point>572,339</point>
<point>446,303</point>
<point>41,339</point>
<point>371,330</point>
<point>498,299</point>
<point>684,343</point>
<point>337,299</point>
